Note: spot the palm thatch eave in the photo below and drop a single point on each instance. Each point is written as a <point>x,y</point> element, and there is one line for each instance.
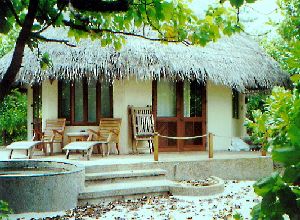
<point>236,61</point>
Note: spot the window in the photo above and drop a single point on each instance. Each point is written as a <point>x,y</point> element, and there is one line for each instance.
<point>166,99</point>
<point>83,102</point>
<point>192,98</point>
<point>235,104</point>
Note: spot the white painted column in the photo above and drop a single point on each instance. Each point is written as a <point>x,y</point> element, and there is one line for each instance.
<point>29,113</point>
<point>49,101</point>
<point>50,105</point>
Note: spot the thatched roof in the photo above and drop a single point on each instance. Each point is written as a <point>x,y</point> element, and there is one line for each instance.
<point>235,61</point>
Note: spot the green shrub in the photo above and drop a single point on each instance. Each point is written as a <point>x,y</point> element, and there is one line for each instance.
<point>13,117</point>
<point>255,102</point>
<point>279,127</point>
<point>270,126</point>
<point>4,210</point>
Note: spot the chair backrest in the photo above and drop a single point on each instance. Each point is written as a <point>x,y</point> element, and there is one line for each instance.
<point>109,126</point>
<point>144,125</point>
<point>142,121</point>
<point>141,110</point>
<point>54,124</point>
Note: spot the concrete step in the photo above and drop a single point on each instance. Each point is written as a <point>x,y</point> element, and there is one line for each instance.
<point>124,176</point>
<point>96,193</point>
<point>95,168</point>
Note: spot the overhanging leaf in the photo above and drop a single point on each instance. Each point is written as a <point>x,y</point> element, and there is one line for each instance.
<point>237,3</point>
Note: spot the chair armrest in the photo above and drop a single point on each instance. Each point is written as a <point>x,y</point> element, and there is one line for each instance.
<point>114,131</point>
<point>93,131</point>
<point>37,135</point>
<point>37,132</point>
<point>58,132</point>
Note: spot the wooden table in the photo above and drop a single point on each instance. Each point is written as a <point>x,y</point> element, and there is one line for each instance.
<point>78,136</point>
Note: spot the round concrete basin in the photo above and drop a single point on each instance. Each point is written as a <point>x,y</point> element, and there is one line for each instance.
<point>40,186</point>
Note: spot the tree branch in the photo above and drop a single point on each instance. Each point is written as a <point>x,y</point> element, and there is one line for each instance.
<point>254,35</point>
<point>42,38</point>
<point>12,9</point>
<point>101,31</point>
<point>101,5</point>
<point>15,65</point>
<point>50,24</point>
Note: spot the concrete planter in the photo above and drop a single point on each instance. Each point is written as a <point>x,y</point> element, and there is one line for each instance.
<point>180,189</point>
<point>37,191</point>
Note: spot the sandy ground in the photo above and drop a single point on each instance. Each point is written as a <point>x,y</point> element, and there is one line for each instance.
<point>238,197</point>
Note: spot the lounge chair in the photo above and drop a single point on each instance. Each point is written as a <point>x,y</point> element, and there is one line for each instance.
<point>23,145</point>
<point>53,133</point>
<point>109,130</point>
<point>84,146</point>
<point>142,121</point>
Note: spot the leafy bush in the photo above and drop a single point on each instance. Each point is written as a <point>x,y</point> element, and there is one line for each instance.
<point>279,126</point>
<point>4,210</point>
<point>255,102</point>
<point>13,116</point>
<point>270,126</point>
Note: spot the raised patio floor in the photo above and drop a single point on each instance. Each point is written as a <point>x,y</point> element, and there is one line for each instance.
<point>181,165</point>
<point>97,159</point>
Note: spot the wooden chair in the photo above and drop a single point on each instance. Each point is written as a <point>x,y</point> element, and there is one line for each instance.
<point>142,126</point>
<point>109,129</point>
<point>53,133</point>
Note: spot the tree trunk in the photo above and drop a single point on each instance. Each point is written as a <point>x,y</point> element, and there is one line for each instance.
<point>4,138</point>
<point>15,65</point>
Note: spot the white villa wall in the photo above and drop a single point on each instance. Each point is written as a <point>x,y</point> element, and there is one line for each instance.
<point>130,92</point>
<point>219,115</point>
<point>139,93</point>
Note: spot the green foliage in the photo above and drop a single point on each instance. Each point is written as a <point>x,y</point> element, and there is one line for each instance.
<point>279,124</point>
<point>45,61</point>
<point>169,21</point>
<point>237,216</point>
<point>255,102</point>
<point>7,42</point>
<point>13,116</point>
<point>270,126</point>
<point>258,128</point>
<point>4,210</point>
<point>286,48</point>
<point>281,121</point>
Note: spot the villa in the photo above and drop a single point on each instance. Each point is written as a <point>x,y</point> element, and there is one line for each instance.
<point>192,90</point>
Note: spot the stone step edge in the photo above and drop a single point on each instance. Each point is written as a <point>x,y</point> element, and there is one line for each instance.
<point>124,174</point>
<point>96,201</point>
<point>121,189</point>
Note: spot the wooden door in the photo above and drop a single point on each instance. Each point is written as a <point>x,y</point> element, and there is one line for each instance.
<point>193,119</point>
<point>179,110</point>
